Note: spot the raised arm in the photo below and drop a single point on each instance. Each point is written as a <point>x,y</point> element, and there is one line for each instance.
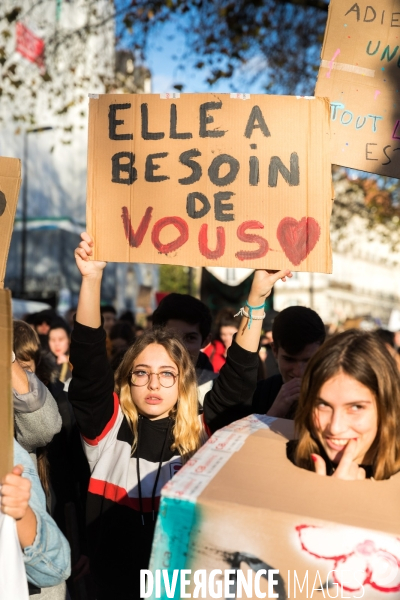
<point>248,336</point>
<point>36,415</point>
<point>88,311</point>
<point>92,385</point>
<point>231,395</point>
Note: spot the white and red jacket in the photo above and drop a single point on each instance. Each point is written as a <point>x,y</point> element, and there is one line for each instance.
<point>124,489</point>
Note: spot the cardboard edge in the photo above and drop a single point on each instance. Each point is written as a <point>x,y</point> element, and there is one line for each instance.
<point>12,167</point>
<point>93,114</point>
<point>5,300</point>
<point>322,53</point>
<point>12,170</point>
<point>328,22</point>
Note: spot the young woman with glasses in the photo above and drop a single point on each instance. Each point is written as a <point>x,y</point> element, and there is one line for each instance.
<point>139,428</point>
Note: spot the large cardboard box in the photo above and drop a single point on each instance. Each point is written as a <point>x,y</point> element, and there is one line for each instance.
<point>231,180</point>
<point>10,181</point>
<point>240,504</point>
<point>6,406</point>
<point>359,73</point>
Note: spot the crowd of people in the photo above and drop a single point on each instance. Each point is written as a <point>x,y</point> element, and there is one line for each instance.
<point>105,413</point>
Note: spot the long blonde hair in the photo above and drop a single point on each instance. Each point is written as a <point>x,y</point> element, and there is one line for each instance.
<point>186,429</point>
<point>362,356</point>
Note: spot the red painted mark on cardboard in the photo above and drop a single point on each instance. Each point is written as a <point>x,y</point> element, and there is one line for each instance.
<point>298,238</point>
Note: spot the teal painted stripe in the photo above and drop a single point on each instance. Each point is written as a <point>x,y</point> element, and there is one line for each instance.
<point>177,521</point>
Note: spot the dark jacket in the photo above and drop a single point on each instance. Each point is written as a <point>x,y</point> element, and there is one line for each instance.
<point>205,376</point>
<point>265,394</point>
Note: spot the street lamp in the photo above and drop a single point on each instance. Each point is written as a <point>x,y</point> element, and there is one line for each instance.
<point>25,205</point>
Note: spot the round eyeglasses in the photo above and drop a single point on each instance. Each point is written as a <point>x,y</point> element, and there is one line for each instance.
<point>140,378</point>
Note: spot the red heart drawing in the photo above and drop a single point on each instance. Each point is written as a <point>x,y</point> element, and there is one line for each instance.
<point>298,238</point>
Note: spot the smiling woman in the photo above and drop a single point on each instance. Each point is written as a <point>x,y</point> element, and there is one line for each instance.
<point>348,417</point>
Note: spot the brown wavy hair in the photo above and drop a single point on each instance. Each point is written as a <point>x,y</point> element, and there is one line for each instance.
<point>186,429</point>
<point>364,357</point>
<point>26,343</point>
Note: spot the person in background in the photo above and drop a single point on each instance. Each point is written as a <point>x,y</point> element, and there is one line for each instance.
<point>36,416</point>
<point>69,317</point>
<point>42,322</point>
<point>41,410</point>
<point>139,330</point>
<point>298,332</point>
<point>128,317</point>
<point>226,325</point>
<point>388,338</point>
<point>109,317</point>
<point>190,319</point>
<point>59,341</point>
<point>121,338</point>
<point>270,366</point>
<point>36,421</point>
<point>46,552</point>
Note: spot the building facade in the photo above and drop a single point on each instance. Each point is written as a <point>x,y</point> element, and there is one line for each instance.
<point>56,54</point>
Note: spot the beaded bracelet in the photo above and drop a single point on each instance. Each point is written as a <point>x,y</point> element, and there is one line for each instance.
<point>249,315</point>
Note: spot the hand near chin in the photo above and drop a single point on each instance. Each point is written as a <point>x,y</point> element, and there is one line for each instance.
<point>347,468</point>
<point>287,396</point>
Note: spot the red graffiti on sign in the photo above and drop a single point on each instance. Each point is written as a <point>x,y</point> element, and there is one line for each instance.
<point>298,238</point>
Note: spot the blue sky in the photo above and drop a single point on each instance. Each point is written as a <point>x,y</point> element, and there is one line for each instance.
<point>167,45</point>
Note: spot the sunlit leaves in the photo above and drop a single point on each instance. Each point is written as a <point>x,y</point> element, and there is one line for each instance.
<point>13,14</point>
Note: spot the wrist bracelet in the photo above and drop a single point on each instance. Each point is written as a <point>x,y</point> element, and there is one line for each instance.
<point>249,314</point>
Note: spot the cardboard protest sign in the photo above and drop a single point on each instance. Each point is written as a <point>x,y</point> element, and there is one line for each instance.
<point>6,406</point>
<point>359,73</point>
<point>10,181</point>
<point>241,505</point>
<point>210,180</point>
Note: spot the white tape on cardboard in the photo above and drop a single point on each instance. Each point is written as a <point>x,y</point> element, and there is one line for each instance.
<point>238,96</point>
<point>335,66</point>
<point>196,475</point>
<point>170,96</point>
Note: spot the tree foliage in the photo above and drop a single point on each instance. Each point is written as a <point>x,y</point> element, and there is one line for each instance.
<point>174,279</point>
<point>276,42</point>
<point>371,202</point>
<point>74,62</point>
